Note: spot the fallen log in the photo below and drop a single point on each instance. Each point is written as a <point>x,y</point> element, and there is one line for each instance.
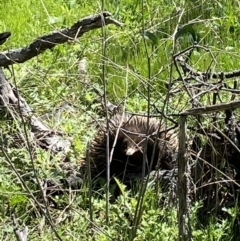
<point>45,137</point>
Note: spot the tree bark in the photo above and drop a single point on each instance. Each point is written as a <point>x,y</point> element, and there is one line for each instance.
<point>61,36</point>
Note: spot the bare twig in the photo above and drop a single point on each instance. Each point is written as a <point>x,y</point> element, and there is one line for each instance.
<point>183,208</point>
<point>4,36</point>
<point>210,109</point>
<point>208,74</point>
<point>46,138</point>
<point>8,160</point>
<point>21,235</point>
<point>49,41</point>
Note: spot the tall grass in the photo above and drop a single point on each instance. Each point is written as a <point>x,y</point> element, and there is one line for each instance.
<point>52,78</point>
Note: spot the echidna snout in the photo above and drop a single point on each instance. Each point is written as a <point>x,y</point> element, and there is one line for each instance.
<point>130,151</point>
<point>130,138</point>
<point>129,147</point>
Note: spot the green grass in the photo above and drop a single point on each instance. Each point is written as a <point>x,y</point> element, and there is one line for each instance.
<point>51,78</point>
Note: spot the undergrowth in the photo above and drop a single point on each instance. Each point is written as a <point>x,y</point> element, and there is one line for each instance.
<point>52,79</point>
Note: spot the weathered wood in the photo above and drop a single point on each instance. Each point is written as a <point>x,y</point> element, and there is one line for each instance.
<point>21,235</point>
<point>4,36</point>
<point>182,183</point>
<point>16,105</point>
<point>212,108</point>
<point>207,75</point>
<point>46,138</point>
<point>61,36</point>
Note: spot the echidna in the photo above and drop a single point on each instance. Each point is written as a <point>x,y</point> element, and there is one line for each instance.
<point>131,132</point>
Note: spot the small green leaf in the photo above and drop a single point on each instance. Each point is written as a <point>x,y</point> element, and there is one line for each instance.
<point>121,186</point>
<point>16,199</point>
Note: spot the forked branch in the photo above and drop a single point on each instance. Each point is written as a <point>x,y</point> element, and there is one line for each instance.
<point>61,36</point>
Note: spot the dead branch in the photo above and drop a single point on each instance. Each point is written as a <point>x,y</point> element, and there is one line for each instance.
<point>61,36</point>
<point>183,185</point>
<point>21,235</point>
<point>4,36</point>
<point>206,75</point>
<point>54,141</point>
<point>46,138</point>
<point>213,108</point>
<point>15,104</point>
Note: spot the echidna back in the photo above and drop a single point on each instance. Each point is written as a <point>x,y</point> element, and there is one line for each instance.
<point>161,146</point>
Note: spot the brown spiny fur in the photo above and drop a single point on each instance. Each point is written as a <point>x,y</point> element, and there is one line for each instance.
<point>127,158</point>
